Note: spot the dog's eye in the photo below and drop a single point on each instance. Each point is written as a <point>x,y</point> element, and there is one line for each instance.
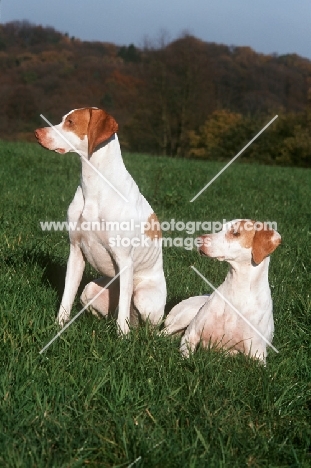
<point>69,121</point>
<point>236,234</point>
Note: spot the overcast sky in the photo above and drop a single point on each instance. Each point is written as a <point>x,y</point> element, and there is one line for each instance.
<point>268,26</point>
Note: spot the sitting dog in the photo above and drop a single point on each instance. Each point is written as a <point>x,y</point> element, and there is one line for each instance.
<point>108,195</point>
<point>211,320</point>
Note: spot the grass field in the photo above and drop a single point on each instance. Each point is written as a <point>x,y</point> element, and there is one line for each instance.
<point>93,399</point>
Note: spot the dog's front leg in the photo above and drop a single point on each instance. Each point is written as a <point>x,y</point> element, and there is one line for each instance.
<point>126,292</point>
<point>75,268</point>
<point>188,343</point>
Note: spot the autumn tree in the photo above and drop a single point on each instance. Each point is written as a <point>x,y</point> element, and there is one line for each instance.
<point>210,140</point>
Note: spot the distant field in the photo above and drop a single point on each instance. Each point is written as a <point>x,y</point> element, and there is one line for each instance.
<point>94,399</point>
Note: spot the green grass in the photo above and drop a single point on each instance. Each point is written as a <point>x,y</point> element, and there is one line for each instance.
<point>93,399</point>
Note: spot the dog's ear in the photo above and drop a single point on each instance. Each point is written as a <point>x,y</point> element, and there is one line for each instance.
<point>101,127</point>
<point>264,243</point>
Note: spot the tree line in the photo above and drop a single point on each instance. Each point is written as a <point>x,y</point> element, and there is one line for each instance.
<point>182,98</point>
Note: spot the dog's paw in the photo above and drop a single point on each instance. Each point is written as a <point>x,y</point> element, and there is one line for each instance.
<point>123,328</point>
<point>62,318</point>
<point>185,348</point>
<point>94,312</point>
<point>60,321</point>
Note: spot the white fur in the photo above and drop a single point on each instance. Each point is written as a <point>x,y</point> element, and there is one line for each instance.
<point>95,200</point>
<point>211,321</point>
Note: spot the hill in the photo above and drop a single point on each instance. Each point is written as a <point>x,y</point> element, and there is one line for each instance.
<point>163,96</point>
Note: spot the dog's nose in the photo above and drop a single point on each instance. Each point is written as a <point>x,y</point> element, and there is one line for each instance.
<point>202,243</point>
<point>204,240</point>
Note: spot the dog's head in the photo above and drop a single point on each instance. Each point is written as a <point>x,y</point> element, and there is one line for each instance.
<point>240,240</point>
<point>81,130</point>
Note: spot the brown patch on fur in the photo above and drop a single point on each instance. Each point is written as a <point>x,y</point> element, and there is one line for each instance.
<point>77,122</point>
<point>153,231</point>
<point>247,233</point>
<point>265,242</point>
<point>243,231</point>
<point>95,123</point>
<point>101,127</point>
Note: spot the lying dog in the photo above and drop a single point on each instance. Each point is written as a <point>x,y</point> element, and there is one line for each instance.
<point>108,194</point>
<point>210,320</point>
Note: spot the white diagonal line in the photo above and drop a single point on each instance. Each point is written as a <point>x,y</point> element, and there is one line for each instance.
<point>82,310</point>
<point>140,457</point>
<point>235,310</point>
<point>233,159</point>
<point>83,157</point>
<point>134,462</point>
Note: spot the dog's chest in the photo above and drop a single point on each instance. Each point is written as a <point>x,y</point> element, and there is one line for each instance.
<point>105,233</point>
<point>89,233</point>
<point>97,255</point>
<point>236,324</point>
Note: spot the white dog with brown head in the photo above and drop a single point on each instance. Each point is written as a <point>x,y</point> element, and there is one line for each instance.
<point>106,196</point>
<point>212,320</point>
